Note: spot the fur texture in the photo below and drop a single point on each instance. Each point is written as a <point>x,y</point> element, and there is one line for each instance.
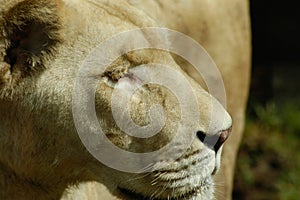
<point>42,44</point>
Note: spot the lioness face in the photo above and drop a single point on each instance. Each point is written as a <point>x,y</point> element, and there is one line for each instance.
<point>43,44</point>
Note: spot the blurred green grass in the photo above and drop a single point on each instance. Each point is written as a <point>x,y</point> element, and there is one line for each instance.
<point>268,164</point>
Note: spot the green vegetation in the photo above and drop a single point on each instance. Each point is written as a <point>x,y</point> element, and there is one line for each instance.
<point>268,165</point>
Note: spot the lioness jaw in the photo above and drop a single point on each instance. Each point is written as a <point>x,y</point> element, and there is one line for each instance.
<point>42,46</point>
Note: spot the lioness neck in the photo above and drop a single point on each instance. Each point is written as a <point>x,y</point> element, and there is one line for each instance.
<point>14,187</point>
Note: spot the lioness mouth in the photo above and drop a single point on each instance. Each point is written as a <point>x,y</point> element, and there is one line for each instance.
<point>133,195</point>
<point>190,193</point>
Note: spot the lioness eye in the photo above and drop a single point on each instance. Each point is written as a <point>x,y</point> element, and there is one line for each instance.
<point>109,82</point>
<point>112,76</point>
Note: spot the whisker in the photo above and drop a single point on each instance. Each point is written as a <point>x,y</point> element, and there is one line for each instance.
<point>138,176</point>
<point>153,195</point>
<point>164,188</point>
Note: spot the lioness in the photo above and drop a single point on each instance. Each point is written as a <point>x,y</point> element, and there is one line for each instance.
<point>42,45</point>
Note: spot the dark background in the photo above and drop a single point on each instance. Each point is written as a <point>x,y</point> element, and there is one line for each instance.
<point>276,47</point>
<point>268,164</point>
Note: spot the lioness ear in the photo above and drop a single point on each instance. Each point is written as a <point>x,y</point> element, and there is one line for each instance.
<point>29,33</point>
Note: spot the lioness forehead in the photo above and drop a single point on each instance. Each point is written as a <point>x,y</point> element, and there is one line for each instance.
<point>56,34</point>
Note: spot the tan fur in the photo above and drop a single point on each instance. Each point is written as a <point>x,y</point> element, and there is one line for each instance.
<point>40,151</point>
<point>223,28</point>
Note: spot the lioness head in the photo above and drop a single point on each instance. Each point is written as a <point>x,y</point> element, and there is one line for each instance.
<point>42,46</point>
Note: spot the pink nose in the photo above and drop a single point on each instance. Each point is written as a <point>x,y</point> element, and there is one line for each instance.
<point>216,141</point>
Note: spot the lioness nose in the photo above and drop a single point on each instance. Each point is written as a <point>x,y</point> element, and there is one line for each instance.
<point>214,141</point>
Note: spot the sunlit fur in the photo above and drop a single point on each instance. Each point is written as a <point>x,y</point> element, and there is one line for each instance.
<point>40,152</point>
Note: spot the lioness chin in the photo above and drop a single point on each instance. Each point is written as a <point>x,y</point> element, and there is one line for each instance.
<point>42,45</point>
